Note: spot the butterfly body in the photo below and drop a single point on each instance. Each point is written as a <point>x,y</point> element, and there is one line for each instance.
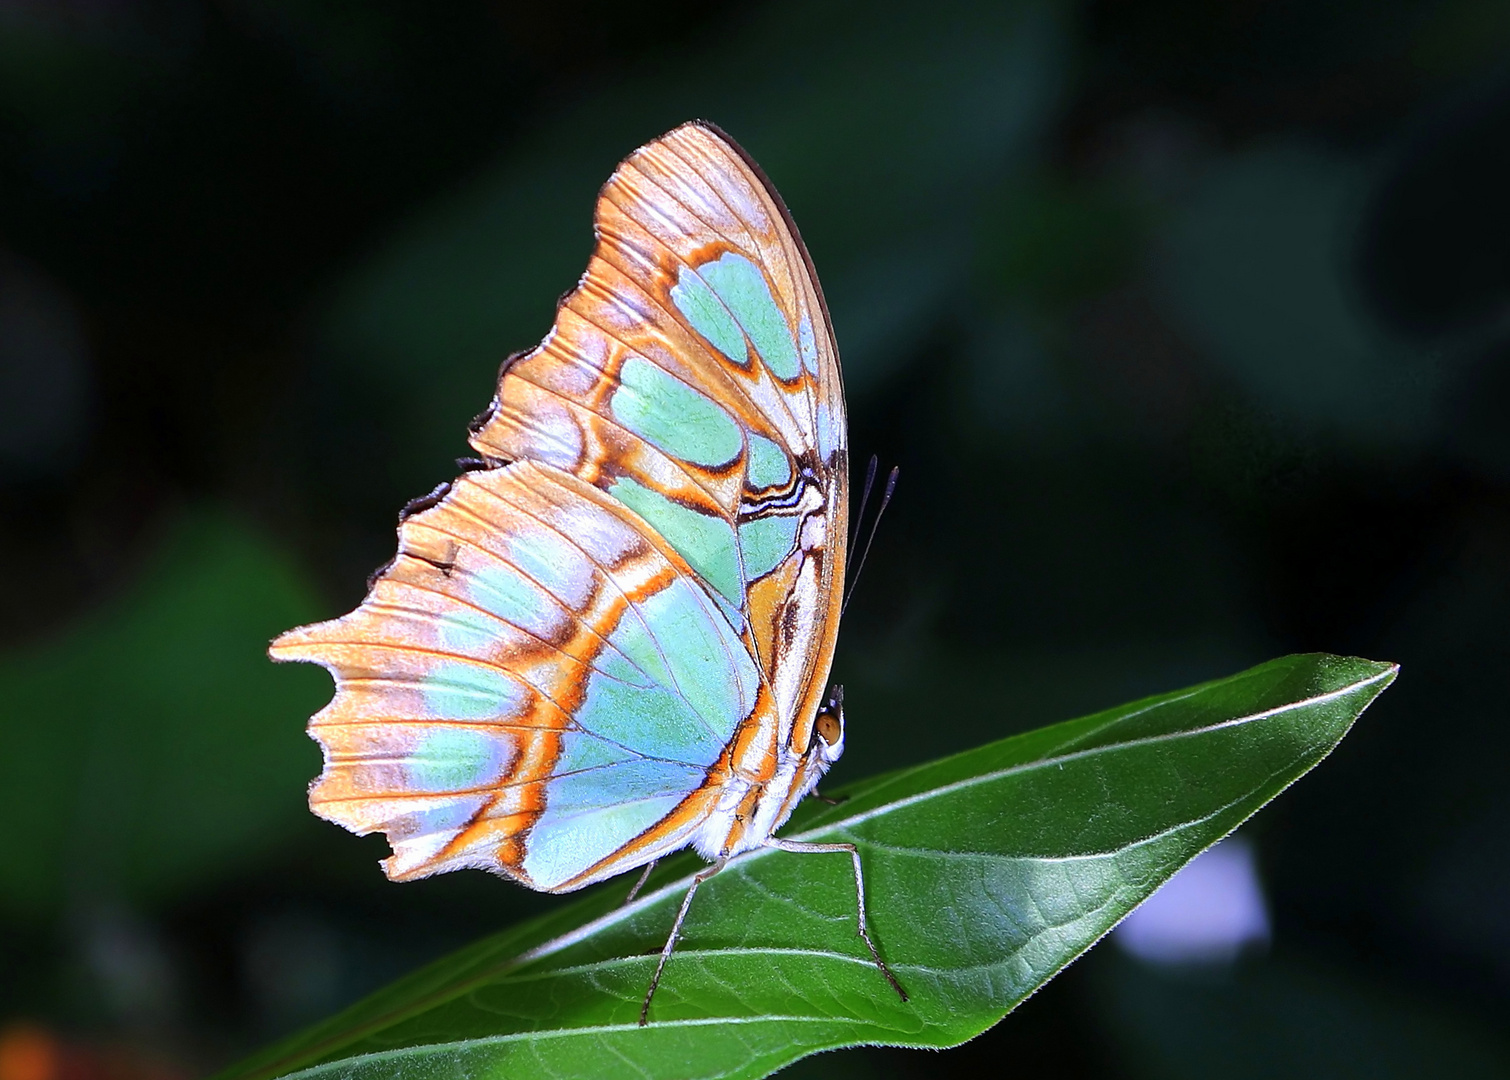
<point>613,640</point>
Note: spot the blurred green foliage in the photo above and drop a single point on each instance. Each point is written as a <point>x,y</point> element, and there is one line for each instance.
<point>143,758</point>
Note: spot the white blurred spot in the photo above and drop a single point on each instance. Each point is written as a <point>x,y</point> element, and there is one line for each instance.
<point>1208,913</point>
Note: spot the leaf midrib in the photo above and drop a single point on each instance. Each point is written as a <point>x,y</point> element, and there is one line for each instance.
<point>1077,755</point>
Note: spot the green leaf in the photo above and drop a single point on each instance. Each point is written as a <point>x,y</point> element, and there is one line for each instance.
<point>987,872</point>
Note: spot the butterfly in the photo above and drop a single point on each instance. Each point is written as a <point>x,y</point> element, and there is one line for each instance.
<point>610,638</point>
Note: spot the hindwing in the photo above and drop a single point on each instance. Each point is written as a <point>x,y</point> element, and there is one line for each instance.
<point>536,685</point>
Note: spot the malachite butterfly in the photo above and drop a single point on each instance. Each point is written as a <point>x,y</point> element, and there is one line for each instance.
<point>611,638</point>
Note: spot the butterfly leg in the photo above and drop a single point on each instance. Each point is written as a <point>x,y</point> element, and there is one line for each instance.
<point>638,885</point>
<point>676,928</point>
<point>825,799</point>
<point>854,854</point>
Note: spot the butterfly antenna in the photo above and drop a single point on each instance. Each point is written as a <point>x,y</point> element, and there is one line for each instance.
<point>870,481</point>
<point>891,486</point>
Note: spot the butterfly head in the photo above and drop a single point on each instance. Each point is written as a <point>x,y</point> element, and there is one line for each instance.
<point>829,726</point>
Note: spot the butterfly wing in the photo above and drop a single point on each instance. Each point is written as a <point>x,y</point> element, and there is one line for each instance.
<point>536,685</point>
<point>692,375</point>
<point>571,655</point>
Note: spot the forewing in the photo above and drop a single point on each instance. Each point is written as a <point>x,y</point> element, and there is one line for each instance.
<point>692,374</point>
<point>536,685</point>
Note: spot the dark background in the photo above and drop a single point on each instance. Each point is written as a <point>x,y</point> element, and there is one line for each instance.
<point>1188,323</point>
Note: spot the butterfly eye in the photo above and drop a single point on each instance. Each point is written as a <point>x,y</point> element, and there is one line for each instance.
<point>830,727</point>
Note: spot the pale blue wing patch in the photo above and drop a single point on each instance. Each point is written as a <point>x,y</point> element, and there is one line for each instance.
<point>703,681</point>
<point>767,541</point>
<point>742,287</point>
<point>590,815</point>
<point>807,344</point>
<point>633,638</point>
<point>732,615</point>
<point>640,750</point>
<point>709,317</point>
<point>654,721</point>
<point>404,758</point>
<point>454,690</point>
<point>459,759</point>
<point>673,416</point>
<point>466,631</point>
<point>726,301</point>
<point>581,750</point>
<point>508,595</point>
<point>707,543</point>
<point>708,662</point>
<point>602,788</point>
<point>767,465</point>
